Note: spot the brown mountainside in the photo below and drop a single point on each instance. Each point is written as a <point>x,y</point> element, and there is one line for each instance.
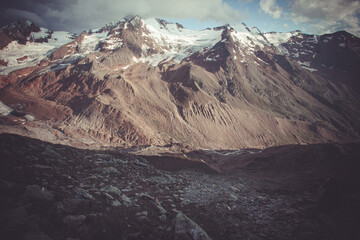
<point>235,93</point>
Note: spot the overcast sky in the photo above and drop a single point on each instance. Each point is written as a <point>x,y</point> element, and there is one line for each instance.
<point>310,16</point>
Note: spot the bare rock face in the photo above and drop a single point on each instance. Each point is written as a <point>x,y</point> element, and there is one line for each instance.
<point>3,63</point>
<point>19,31</point>
<point>4,39</point>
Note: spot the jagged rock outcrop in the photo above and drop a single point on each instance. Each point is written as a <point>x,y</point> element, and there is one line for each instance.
<point>19,31</point>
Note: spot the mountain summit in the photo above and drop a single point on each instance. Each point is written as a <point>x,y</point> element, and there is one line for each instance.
<point>147,81</point>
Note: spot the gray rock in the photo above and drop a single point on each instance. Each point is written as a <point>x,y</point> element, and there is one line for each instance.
<point>35,192</point>
<point>161,209</point>
<point>140,163</point>
<point>186,229</point>
<point>144,213</point>
<point>118,161</point>
<point>112,190</point>
<point>142,217</point>
<point>84,194</point>
<point>165,179</point>
<point>110,170</point>
<point>116,203</point>
<point>108,196</point>
<point>126,200</point>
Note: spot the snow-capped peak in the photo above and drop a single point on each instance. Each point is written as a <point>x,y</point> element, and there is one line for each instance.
<point>158,40</point>
<point>29,44</point>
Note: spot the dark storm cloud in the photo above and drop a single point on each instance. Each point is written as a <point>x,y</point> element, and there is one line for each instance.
<point>75,15</point>
<point>39,11</point>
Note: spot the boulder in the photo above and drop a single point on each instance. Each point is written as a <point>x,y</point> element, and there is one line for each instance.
<point>111,190</point>
<point>116,203</point>
<point>186,229</point>
<point>84,194</point>
<point>35,192</point>
<point>110,170</point>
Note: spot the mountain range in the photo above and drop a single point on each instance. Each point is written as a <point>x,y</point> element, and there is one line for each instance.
<point>150,82</point>
<point>143,129</point>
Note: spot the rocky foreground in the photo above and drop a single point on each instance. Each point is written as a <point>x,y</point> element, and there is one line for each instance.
<point>295,192</point>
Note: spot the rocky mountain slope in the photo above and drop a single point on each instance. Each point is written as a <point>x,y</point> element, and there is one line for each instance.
<point>140,82</point>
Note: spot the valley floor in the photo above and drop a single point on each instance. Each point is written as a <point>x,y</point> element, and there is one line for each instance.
<point>55,192</point>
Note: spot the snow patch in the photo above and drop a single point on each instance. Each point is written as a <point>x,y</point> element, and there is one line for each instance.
<point>113,43</point>
<point>55,67</point>
<point>327,39</point>
<point>278,38</point>
<point>176,43</point>
<point>4,110</point>
<point>88,44</point>
<point>310,69</point>
<point>306,65</point>
<point>208,58</point>
<point>29,117</point>
<point>35,52</point>
<point>44,33</point>
<point>247,39</point>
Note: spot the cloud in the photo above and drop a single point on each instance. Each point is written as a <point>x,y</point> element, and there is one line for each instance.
<point>329,9</point>
<point>327,16</point>
<point>80,14</point>
<point>319,16</point>
<point>271,7</point>
<point>16,13</point>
